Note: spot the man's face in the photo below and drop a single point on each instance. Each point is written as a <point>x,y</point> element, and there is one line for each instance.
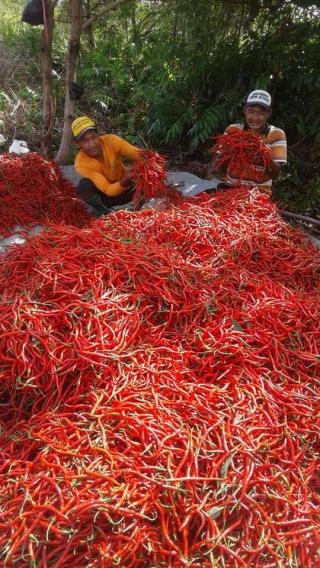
<point>256,117</point>
<point>89,143</point>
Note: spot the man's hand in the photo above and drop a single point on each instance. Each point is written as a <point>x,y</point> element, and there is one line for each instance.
<point>214,169</point>
<point>272,170</point>
<point>126,180</point>
<point>257,161</point>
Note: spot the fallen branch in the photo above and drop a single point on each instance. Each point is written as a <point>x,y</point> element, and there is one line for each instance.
<point>302,218</point>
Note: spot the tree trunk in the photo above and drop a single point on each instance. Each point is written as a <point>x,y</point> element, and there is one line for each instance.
<point>46,72</point>
<point>71,65</point>
<point>135,32</point>
<point>90,34</point>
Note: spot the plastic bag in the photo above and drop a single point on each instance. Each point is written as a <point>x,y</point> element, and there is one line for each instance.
<point>33,13</point>
<point>19,147</point>
<point>18,237</point>
<point>157,203</point>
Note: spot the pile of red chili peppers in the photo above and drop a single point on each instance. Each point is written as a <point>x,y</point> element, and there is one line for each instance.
<point>149,177</point>
<point>160,392</point>
<point>33,192</point>
<point>239,150</point>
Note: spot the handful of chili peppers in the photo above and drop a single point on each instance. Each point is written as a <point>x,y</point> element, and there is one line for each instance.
<point>149,176</point>
<point>240,150</point>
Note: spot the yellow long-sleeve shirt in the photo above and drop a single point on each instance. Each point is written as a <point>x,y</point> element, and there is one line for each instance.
<point>106,174</point>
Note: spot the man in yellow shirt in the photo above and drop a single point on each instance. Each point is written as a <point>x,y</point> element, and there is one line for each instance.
<point>105,181</point>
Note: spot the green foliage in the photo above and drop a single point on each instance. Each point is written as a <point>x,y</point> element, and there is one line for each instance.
<point>173,73</point>
<point>20,79</point>
<point>3,101</point>
<point>211,120</point>
<point>298,188</point>
<point>178,76</point>
<point>13,31</point>
<point>294,196</point>
<point>197,127</point>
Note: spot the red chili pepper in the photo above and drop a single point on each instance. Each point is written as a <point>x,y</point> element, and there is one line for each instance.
<point>149,177</point>
<point>159,390</point>
<point>32,192</point>
<point>239,150</point>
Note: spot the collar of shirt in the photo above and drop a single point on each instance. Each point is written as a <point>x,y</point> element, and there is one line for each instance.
<point>264,131</point>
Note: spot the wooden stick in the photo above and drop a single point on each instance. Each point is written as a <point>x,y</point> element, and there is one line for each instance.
<point>302,218</point>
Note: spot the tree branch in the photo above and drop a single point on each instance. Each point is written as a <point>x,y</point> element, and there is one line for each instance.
<point>107,8</point>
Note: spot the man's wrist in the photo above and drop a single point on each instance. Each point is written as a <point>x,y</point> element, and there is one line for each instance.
<point>125,182</point>
<point>273,169</point>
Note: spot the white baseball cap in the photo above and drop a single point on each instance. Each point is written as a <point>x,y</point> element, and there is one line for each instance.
<point>259,97</point>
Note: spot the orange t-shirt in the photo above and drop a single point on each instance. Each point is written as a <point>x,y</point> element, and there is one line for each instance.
<point>106,174</point>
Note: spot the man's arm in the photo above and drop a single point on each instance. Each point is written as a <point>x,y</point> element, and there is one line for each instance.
<point>278,152</point>
<point>215,168</point>
<point>277,148</point>
<point>124,148</point>
<point>99,180</point>
<point>273,169</point>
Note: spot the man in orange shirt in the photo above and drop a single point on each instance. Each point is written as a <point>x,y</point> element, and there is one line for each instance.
<point>105,181</point>
<point>257,110</point>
